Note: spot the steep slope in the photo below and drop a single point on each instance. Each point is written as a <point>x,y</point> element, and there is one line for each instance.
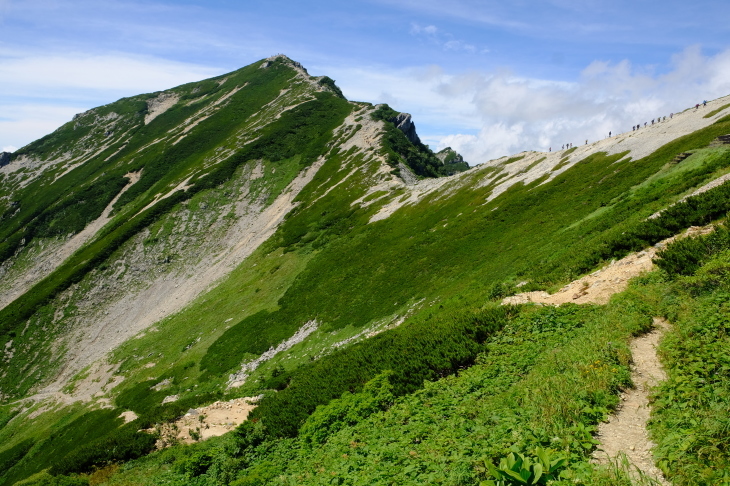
<point>257,233</point>
<point>176,145</point>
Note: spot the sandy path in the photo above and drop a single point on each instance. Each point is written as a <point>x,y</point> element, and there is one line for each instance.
<point>599,286</point>
<point>625,432</point>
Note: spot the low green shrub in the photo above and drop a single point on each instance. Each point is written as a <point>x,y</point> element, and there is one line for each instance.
<point>686,255</point>
<point>118,446</point>
<point>413,352</point>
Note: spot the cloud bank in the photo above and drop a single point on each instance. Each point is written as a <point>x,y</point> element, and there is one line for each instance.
<point>38,93</point>
<point>501,113</point>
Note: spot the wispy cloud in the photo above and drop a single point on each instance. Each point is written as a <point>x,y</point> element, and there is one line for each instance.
<point>445,40</point>
<point>34,74</point>
<point>38,93</point>
<point>27,122</point>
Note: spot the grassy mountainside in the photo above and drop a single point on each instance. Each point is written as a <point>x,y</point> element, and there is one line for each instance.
<point>252,236</point>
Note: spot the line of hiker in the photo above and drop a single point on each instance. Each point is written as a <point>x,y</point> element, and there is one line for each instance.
<point>636,127</point>
<point>664,118</point>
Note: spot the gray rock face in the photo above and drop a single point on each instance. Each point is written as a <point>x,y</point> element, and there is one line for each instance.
<point>450,156</point>
<point>405,124</point>
<point>4,158</point>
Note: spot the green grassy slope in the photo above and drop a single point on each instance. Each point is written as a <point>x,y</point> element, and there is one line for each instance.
<point>451,382</point>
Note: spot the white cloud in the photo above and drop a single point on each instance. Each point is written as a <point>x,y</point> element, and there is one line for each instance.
<point>416,29</point>
<point>35,75</point>
<point>38,93</point>
<point>21,124</point>
<point>490,114</point>
<point>443,39</point>
<point>457,45</point>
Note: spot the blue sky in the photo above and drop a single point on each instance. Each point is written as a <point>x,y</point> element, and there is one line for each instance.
<point>488,78</point>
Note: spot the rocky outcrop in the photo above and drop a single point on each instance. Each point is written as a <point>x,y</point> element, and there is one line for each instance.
<point>450,156</point>
<point>404,123</point>
<point>4,158</point>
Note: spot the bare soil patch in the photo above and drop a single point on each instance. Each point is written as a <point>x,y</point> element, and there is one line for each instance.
<point>206,422</point>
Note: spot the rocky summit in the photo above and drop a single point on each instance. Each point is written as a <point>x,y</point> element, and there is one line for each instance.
<point>252,280</point>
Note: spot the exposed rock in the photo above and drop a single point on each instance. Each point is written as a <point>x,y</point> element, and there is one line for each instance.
<point>407,175</point>
<point>4,158</point>
<point>450,156</point>
<point>238,379</point>
<point>170,399</point>
<point>404,123</point>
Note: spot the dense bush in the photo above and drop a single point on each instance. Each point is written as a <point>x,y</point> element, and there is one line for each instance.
<point>691,409</point>
<point>417,156</point>
<point>66,437</point>
<point>120,445</point>
<point>10,457</point>
<point>348,410</point>
<point>685,256</point>
<point>698,210</point>
<point>414,352</point>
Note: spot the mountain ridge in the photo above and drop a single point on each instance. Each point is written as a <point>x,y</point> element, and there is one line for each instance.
<point>259,224</point>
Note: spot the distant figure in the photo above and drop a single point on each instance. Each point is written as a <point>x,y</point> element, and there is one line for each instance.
<point>704,103</point>
<point>671,115</point>
<point>550,149</point>
<point>652,121</point>
<point>609,134</point>
<point>665,118</point>
<point>645,124</point>
<point>562,147</point>
<point>586,141</point>
<point>697,106</point>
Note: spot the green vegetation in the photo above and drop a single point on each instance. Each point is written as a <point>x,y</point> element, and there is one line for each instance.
<point>458,428</point>
<point>413,353</point>
<point>532,165</point>
<point>417,156</point>
<point>691,410</point>
<point>716,111</point>
<point>513,159</point>
<point>75,444</point>
<point>415,373</point>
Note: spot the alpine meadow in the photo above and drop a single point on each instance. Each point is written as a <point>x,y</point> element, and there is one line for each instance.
<point>251,280</point>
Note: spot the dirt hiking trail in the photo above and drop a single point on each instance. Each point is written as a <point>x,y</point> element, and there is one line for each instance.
<point>599,286</point>
<point>625,432</point>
